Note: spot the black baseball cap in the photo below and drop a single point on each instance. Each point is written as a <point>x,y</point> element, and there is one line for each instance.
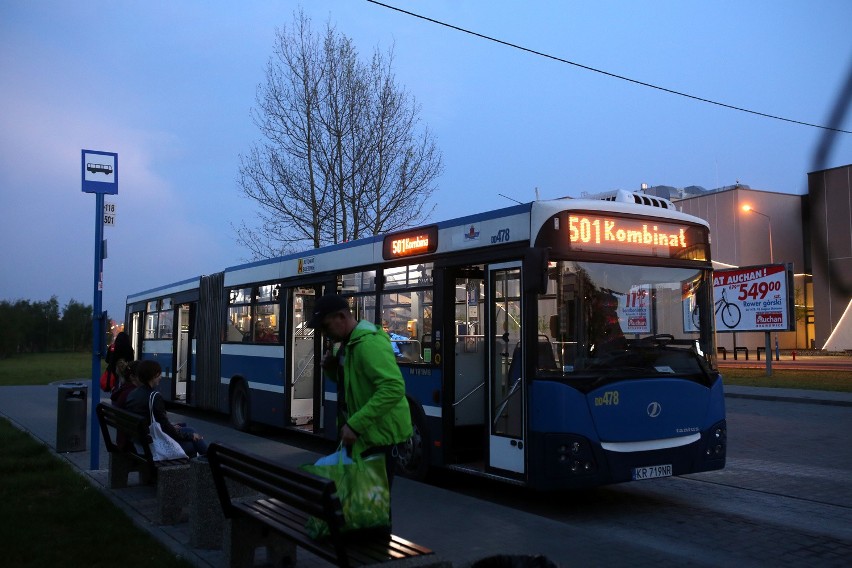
<point>328,304</point>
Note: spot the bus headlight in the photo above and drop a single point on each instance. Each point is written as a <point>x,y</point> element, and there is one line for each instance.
<point>717,441</point>
<point>574,453</point>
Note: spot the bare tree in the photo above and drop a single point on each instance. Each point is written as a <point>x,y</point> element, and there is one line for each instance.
<point>343,154</point>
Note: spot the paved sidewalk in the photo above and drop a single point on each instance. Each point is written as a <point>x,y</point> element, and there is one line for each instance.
<point>458,528</point>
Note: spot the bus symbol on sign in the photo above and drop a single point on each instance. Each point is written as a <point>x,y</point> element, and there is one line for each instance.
<point>99,168</point>
<point>100,172</point>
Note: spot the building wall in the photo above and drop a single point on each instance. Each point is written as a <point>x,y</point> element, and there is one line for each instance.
<point>830,220</point>
<point>740,238</point>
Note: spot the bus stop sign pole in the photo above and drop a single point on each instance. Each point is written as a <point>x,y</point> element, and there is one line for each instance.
<point>97,330</point>
<point>100,176</point>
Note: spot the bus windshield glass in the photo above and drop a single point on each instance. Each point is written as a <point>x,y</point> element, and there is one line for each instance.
<point>599,320</point>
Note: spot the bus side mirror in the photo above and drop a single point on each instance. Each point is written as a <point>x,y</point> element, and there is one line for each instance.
<point>535,270</point>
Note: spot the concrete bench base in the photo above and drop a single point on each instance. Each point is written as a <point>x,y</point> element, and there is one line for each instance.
<point>206,520</point>
<point>172,484</point>
<point>244,536</point>
<point>173,494</point>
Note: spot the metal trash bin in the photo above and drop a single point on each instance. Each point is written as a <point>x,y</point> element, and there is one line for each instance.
<point>71,410</point>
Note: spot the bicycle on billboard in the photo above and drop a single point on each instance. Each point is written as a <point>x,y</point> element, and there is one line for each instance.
<point>730,312</point>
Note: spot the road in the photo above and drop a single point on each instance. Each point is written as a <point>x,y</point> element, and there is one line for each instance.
<point>784,499</point>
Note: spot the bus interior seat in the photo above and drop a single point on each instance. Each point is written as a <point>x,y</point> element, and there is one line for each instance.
<point>515,365</point>
<point>546,359</point>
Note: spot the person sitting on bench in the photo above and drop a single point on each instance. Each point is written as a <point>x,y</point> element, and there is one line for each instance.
<point>149,374</point>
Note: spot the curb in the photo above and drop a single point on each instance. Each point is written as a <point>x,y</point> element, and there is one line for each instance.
<point>787,398</point>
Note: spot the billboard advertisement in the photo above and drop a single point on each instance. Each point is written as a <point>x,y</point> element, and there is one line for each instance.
<point>749,298</point>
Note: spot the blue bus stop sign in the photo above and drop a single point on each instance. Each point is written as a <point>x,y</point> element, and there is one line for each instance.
<point>100,172</point>
<point>100,176</point>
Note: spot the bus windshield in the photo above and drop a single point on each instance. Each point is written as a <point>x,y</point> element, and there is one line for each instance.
<point>597,320</point>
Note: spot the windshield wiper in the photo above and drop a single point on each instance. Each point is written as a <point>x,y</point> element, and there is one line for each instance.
<point>620,372</point>
<point>658,340</point>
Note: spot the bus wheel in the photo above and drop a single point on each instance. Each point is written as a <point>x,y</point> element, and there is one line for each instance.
<point>240,414</point>
<point>413,460</point>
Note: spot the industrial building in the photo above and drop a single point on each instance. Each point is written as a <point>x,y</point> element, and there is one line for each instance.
<point>813,232</point>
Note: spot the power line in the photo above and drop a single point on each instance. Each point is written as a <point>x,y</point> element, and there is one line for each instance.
<point>607,73</point>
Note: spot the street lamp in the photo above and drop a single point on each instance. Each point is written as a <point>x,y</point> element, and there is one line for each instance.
<point>768,346</point>
<point>750,209</point>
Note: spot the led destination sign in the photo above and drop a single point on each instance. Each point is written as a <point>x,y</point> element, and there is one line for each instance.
<point>601,230</point>
<point>594,232</point>
<point>410,243</point>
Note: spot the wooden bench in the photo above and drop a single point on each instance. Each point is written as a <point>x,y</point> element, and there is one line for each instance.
<point>724,353</point>
<point>740,350</point>
<point>276,519</point>
<point>171,477</point>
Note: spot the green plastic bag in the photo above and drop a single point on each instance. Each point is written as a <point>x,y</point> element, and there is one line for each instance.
<point>362,487</point>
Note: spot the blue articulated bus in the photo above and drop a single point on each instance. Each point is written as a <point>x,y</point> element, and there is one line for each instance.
<point>551,344</point>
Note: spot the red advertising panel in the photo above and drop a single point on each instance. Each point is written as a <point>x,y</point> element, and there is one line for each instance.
<point>634,310</point>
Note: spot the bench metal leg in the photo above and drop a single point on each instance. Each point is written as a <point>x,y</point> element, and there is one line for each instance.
<point>244,536</point>
<point>119,469</point>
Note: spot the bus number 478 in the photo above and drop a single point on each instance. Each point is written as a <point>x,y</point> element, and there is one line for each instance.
<point>609,398</point>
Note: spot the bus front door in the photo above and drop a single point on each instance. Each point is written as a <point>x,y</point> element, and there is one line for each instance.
<point>506,392</point>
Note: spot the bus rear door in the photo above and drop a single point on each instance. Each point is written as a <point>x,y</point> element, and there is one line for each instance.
<point>304,352</point>
<point>184,352</point>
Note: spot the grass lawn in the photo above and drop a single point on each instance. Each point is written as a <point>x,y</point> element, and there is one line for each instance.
<point>789,379</point>
<point>45,368</point>
<point>53,517</point>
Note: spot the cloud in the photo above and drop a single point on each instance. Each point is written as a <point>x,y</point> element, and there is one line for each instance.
<point>49,225</point>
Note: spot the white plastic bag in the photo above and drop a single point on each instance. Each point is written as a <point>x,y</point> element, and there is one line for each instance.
<point>163,446</point>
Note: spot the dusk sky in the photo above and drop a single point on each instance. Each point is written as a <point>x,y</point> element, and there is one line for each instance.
<point>169,86</point>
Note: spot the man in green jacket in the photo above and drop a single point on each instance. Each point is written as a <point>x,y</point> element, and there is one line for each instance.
<point>373,412</point>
